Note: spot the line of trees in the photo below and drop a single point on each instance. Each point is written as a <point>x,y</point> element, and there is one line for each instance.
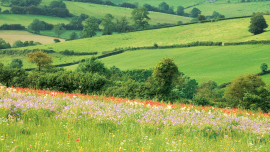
<point>162,83</point>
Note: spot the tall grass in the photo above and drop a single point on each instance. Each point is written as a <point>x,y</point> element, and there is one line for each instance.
<point>53,121</point>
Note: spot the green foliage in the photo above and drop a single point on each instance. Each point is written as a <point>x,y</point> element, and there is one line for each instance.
<point>179,22</point>
<point>73,36</point>
<point>92,65</point>
<point>13,77</point>
<point>140,17</point>
<point>186,87</point>
<point>264,67</point>
<point>58,29</point>
<point>16,63</point>
<point>235,92</point>
<point>56,40</point>
<point>40,58</point>
<point>195,12</point>
<point>257,24</point>
<point>36,26</point>
<point>201,18</point>
<point>165,76</point>
<point>108,25</point>
<point>76,22</point>
<point>17,44</point>
<point>194,20</point>
<point>90,27</point>
<point>180,11</point>
<point>3,44</point>
<point>122,24</point>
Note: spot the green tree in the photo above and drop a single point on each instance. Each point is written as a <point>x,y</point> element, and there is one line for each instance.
<point>235,91</point>
<point>3,44</point>
<point>165,77</point>
<point>17,44</point>
<point>108,25</point>
<point>201,18</point>
<point>16,63</point>
<point>73,36</point>
<point>58,29</point>
<point>92,65</point>
<point>163,6</point>
<point>121,24</point>
<point>180,11</point>
<point>195,12</point>
<point>140,17</point>
<point>90,27</point>
<point>264,67</point>
<point>257,24</point>
<point>179,22</point>
<point>36,26</point>
<point>76,22</point>
<point>40,58</point>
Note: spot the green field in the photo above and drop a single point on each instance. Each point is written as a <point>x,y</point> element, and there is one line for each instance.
<point>225,31</point>
<point>26,20</point>
<point>220,64</point>
<point>66,34</point>
<point>233,9</point>
<point>10,36</point>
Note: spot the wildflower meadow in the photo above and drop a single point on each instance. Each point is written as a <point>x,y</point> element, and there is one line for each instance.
<point>38,120</point>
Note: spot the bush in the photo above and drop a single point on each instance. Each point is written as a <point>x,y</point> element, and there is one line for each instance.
<point>264,67</point>
<point>56,40</point>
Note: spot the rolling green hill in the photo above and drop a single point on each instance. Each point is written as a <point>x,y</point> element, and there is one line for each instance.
<point>233,9</point>
<point>221,63</point>
<point>225,31</point>
<point>25,20</point>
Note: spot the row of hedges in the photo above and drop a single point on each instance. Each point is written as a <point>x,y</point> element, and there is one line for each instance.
<point>249,42</point>
<point>12,27</point>
<point>23,52</point>
<point>71,52</point>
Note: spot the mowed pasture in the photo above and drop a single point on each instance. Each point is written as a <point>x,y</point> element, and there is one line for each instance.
<point>233,9</point>
<point>11,36</point>
<point>234,30</point>
<point>99,11</point>
<point>26,20</point>
<point>217,63</point>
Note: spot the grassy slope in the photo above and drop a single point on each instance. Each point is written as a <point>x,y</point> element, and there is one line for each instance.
<point>25,20</point>
<point>225,31</point>
<point>11,36</point>
<point>67,33</point>
<point>99,11</point>
<point>233,9</point>
<point>175,3</point>
<point>220,64</point>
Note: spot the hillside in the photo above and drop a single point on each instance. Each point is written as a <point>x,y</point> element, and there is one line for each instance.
<point>25,20</point>
<point>232,31</point>
<point>218,63</point>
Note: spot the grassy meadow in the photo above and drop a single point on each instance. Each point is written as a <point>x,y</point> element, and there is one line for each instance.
<point>53,121</point>
<point>11,36</point>
<point>225,31</point>
<point>26,20</point>
<point>232,9</point>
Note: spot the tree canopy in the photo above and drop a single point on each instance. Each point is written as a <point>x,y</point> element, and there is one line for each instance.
<point>257,24</point>
<point>140,17</point>
<point>36,26</point>
<point>40,58</point>
<point>90,27</point>
<point>58,29</point>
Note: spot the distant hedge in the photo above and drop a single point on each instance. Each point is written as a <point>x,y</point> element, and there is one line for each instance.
<point>71,52</point>
<point>12,27</point>
<point>249,42</point>
<point>23,52</point>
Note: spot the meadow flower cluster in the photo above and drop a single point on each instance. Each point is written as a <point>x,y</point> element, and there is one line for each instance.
<point>200,121</point>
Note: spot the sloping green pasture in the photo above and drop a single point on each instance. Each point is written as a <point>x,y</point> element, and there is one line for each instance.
<point>232,9</point>
<point>218,63</point>
<point>26,20</point>
<point>225,31</point>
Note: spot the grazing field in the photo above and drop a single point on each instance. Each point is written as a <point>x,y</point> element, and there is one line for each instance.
<point>11,36</point>
<point>220,64</point>
<point>99,11</point>
<point>55,121</point>
<point>26,20</point>
<point>225,31</point>
<point>232,9</point>
<point>66,34</point>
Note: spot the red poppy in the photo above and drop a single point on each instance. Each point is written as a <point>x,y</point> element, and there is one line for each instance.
<point>78,139</point>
